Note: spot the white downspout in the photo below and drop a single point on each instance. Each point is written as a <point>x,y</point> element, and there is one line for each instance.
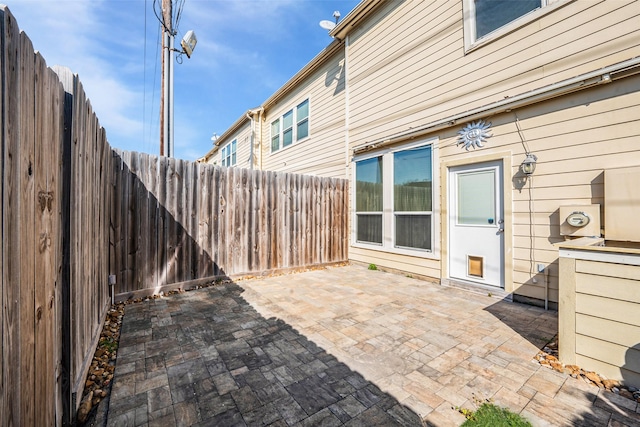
<point>251,138</point>
<point>347,162</point>
<point>251,116</point>
<point>346,108</point>
<point>260,148</point>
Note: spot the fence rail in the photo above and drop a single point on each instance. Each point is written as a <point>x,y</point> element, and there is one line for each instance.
<point>73,211</point>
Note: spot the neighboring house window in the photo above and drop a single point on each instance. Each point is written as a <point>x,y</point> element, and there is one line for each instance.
<point>484,17</point>
<point>228,154</point>
<point>287,128</point>
<point>275,135</point>
<point>394,200</point>
<point>302,118</point>
<point>291,127</point>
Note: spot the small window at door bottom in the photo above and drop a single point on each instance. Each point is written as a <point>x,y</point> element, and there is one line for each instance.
<point>475,266</point>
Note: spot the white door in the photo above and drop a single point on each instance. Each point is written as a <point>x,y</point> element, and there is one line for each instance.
<point>476,224</point>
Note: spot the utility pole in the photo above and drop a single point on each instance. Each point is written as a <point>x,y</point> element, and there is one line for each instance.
<point>166,97</point>
<point>188,44</point>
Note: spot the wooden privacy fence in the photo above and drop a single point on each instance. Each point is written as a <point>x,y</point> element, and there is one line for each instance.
<point>86,199</point>
<point>73,211</point>
<point>178,221</point>
<point>55,173</point>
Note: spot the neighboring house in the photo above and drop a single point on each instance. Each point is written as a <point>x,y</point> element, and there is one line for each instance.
<point>306,113</point>
<point>431,108</point>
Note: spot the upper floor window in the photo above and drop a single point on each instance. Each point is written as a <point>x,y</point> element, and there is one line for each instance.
<point>484,18</point>
<point>291,127</point>
<point>228,154</point>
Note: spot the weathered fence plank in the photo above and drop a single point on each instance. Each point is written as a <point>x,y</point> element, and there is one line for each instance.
<point>11,392</point>
<point>26,232</point>
<point>3,140</point>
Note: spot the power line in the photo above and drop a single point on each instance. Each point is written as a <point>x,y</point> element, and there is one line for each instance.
<point>160,17</point>
<point>144,79</point>
<point>179,14</point>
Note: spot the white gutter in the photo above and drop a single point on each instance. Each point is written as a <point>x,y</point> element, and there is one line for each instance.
<point>584,81</point>
<point>362,10</point>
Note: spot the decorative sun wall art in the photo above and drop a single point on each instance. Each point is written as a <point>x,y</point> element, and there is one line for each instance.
<point>474,134</point>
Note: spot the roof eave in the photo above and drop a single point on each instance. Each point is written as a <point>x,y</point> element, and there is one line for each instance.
<point>305,72</point>
<point>353,18</point>
<point>232,129</point>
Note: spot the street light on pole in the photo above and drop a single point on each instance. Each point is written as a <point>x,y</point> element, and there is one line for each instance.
<point>188,44</point>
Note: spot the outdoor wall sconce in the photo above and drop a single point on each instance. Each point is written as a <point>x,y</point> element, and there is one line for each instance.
<point>528,165</point>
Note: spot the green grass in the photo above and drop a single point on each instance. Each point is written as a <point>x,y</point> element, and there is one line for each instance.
<point>108,344</point>
<point>373,267</point>
<point>490,415</point>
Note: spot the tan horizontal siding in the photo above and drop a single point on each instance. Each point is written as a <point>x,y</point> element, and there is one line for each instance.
<point>607,352</point>
<point>542,256</point>
<point>621,271</point>
<point>523,265</point>
<point>531,290</point>
<point>608,370</point>
<point>576,38</point>
<point>540,242</point>
<point>322,153</point>
<point>382,60</point>
<point>587,124</point>
<point>332,167</point>
<point>619,333</point>
<point>384,42</point>
<point>243,149</point>
<point>609,287</point>
<point>538,230</point>
<point>422,266</point>
<point>619,311</point>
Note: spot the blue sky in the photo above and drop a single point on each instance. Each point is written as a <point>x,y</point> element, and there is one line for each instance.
<point>246,50</point>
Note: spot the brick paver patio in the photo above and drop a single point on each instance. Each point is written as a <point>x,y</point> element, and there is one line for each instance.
<point>342,346</point>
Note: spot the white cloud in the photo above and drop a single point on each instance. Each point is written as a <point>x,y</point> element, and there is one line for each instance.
<point>76,34</point>
<point>246,50</point>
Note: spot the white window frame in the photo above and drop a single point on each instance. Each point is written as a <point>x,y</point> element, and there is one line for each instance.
<point>388,213</point>
<point>228,154</point>
<point>468,13</point>
<point>294,126</point>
